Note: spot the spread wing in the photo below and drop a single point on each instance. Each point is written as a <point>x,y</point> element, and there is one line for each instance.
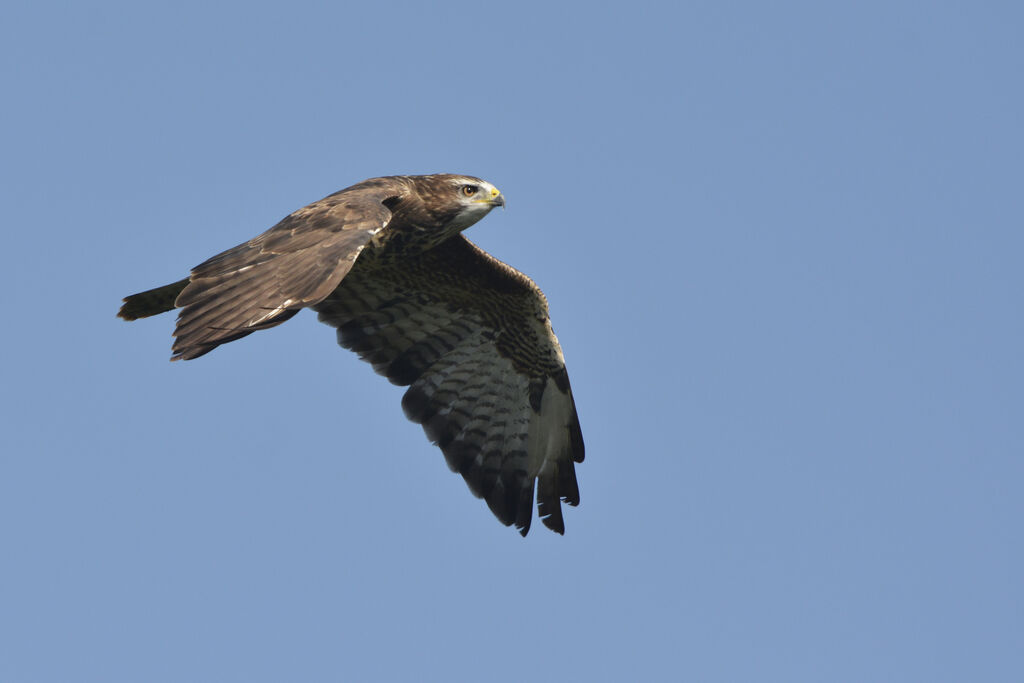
<point>271,277</point>
<point>470,336</point>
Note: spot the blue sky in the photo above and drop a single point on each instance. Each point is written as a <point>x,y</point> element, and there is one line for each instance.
<point>782,246</point>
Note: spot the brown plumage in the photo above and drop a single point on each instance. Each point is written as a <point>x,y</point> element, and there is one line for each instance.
<point>384,263</point>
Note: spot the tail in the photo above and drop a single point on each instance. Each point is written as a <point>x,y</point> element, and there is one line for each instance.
<point>151,302</point>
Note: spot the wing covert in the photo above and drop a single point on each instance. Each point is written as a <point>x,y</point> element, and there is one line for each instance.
<point>267,280</point>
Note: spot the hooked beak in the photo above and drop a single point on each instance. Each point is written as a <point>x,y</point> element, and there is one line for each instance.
<point>497,199</point>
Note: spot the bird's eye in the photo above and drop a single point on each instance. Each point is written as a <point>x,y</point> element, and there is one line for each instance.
<point>470,190</point>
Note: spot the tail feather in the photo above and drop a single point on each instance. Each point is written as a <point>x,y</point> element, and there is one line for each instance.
<point>151,302</point>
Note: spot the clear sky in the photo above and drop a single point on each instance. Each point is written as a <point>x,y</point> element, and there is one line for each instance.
<point>782,243</point>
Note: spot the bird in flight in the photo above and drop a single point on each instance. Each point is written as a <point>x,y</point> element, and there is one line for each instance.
<point>384,262</point>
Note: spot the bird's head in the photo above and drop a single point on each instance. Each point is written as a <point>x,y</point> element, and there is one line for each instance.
<point>476,194</point>
<point>473,197</point>
<point>455,201</point>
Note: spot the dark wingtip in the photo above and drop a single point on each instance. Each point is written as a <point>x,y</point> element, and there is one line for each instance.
<point>524,515</point>
<point>555,523</point>
<point>193,352</point>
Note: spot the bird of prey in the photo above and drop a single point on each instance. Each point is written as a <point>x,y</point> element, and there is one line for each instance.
<point>385,263</point>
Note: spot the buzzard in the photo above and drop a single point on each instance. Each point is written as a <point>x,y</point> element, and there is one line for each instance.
<point>384,262</point>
